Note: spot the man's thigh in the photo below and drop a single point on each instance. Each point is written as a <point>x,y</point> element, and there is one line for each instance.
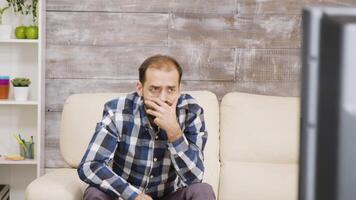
<point>196,191</point>
<point>92,193</point>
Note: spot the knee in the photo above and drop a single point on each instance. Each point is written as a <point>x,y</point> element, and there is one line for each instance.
<point>202,189</point>
<point>92,193</point>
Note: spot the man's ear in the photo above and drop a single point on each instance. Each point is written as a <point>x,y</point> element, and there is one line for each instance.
<point>139,88</point>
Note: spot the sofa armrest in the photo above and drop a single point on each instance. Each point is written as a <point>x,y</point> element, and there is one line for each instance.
<point>57,185</point>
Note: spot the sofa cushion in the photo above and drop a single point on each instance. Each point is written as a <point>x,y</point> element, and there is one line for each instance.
<point>259,138</point>
<point>81,113</point>
<point>86,110</point>
<point>57,185</point>
<point>210,104</point>
<point>258,181</point>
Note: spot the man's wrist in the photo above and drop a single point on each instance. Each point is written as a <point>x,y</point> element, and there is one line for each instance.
<point>174,134</point>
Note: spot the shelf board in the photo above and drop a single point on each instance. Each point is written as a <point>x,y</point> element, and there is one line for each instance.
<point>19,41</point>
<point>13,102</point>
<point>3,161</point>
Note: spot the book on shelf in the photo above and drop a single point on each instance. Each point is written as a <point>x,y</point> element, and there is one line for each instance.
<point>4,192</point>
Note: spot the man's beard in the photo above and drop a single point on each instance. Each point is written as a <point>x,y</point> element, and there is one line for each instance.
<point>150,117</point>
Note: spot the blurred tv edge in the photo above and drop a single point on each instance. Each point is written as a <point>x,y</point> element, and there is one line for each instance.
<point>327,169</point>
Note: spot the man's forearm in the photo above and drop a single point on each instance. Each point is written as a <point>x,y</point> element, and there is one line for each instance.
<point>187,160</point>
<point>95,173</point>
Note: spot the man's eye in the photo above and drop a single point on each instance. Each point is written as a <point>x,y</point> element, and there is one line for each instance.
<point>154,89</point>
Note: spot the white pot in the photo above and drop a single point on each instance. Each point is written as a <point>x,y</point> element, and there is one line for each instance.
<point>21,93</point>
<point>5,31</point>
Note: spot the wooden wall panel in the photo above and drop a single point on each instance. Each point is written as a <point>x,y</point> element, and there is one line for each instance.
<point>202,6</point>
<point>284,6</point>
<point>273,6</point>
<point>103,62</point>
<point>108,5</point>
<point>52,125</point>
<point>282,65</point>
<point>59,89</point>
<point>339,2</point>
<point>241,31</point>
<point>197,6</point>
<point>111,29</point>
<point>53,158</point>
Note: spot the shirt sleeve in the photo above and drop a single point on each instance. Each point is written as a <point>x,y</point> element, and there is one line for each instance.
<point>187,151</point>
<point>94,168</point>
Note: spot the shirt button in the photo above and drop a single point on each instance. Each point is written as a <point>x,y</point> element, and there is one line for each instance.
<point>156,137</point>
<point>151,176</point>
<point>154,159</point>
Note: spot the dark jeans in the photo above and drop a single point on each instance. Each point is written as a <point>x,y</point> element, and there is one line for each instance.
<point>196,191</point>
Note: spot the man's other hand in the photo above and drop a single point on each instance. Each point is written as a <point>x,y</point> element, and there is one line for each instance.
<point>143,196</point>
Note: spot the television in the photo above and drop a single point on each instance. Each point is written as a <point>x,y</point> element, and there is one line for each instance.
<point>327,169</point>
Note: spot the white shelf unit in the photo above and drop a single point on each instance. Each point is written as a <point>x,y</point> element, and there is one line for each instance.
<point>12,102</point>
<point>20,162</point>
<point>23,58</point>
<point>19,41</point>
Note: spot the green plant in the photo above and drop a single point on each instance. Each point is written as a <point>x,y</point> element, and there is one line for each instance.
<point>34,10</point>
<point>21,82</point>
<point>20,6</point>
<point>25,7</point>
<point>2,10</point>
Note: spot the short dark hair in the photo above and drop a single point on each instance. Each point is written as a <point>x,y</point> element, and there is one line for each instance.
<point>158,59</point>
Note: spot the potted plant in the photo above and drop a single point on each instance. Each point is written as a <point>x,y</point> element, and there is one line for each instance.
<point>21,88</point>
<point>26,7</point>
<point>5,30</point>
<point>32,31</point>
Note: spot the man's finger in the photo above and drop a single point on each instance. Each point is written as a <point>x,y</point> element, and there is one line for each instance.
<point>154,113</point>
<point>157,121</point>
<point>153,105</point>
<point>160,102</point>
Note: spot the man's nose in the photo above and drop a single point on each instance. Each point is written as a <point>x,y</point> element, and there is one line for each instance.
<point>163,96</point>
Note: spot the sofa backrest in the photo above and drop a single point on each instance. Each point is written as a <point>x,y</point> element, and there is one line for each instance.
<point>258,147</point>
<point>81,112</point>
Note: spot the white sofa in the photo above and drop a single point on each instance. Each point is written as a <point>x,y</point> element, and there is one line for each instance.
<point>251,153</point>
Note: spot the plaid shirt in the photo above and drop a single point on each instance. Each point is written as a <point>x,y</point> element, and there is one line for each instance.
<point>126,156</point>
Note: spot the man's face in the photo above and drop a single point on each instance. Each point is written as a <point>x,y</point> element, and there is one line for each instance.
<point>160,83</point>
